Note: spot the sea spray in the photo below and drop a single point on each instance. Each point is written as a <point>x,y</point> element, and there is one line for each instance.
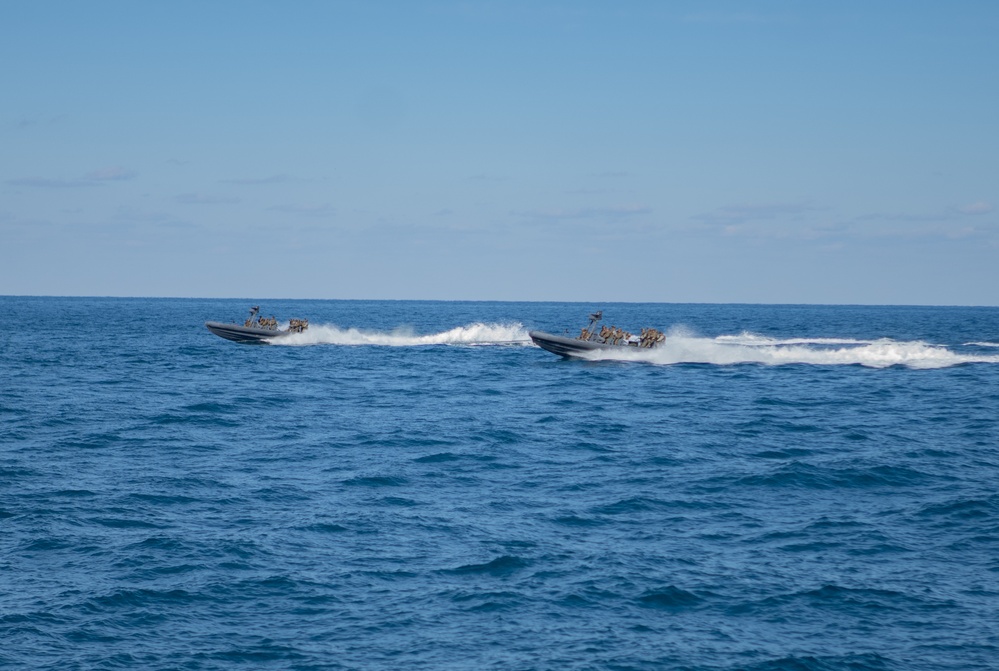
<point>471,334</point>
<point>682,345</point>
<point>749,348</point>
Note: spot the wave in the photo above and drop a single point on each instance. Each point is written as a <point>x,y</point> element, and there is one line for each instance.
<point>752,339</point>
<point>682,347</point>
<point>983,344</point>
<point>500,566</point>
<point>470,334</point>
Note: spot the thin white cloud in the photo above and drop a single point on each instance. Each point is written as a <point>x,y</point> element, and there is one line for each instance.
<point>257,181</point>
<point>113,173</point>
<point>613,212</point>
<point>736,17</point>
<point>31,121</point>
<point>131,217</point>
<point>48,183</point>
<point>947,215</point>
<point>92,178</point>
<point>205,199</point>
<point>784,230</point>
<point>980,207</point>
<point>905,217</point>
<point>948,224</point>
<point>729,215</point>
<point>308,209</point>
<point>589,192</point>
<point>794,221</point>
<point>928,230</point>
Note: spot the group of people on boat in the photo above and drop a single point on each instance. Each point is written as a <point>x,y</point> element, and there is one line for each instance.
<point>613,335</point>
<point>271,324</point>
<point>651,337</point>
<point>261,323</point>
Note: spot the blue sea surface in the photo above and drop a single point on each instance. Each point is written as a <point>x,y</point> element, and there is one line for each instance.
<point>414,485</point>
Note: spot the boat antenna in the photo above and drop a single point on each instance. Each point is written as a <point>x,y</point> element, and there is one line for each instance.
<point>594,318</point>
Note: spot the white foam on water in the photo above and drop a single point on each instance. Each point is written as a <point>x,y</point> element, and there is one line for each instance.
<point>470,334</point>
<point>746,338</point>
<point>682,347</point>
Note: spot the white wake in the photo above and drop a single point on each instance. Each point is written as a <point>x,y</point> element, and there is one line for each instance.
<point>682,347</point>
<point>470,334</point>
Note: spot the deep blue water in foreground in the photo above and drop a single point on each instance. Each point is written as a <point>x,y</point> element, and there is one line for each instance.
<point>411,486</point>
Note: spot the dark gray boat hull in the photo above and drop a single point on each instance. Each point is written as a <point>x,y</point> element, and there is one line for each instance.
<point>571,347</point>
<point>245,334</point>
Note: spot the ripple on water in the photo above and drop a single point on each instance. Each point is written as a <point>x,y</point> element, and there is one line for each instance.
<point>170,500</point>
<point>499,567</point>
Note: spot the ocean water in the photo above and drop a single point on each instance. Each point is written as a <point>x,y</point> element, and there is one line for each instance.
<point>413,485</point>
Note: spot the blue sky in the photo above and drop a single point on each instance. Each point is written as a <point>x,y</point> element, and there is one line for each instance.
<point>760,152</point>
